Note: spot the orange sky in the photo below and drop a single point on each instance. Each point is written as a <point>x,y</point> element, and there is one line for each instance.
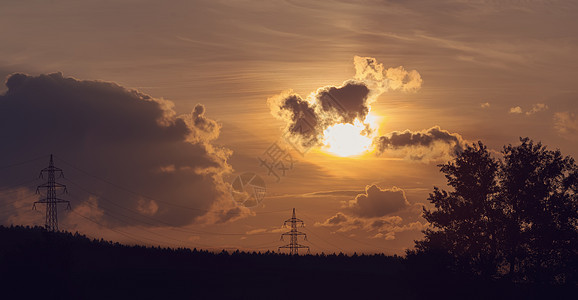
<point>491,72</point>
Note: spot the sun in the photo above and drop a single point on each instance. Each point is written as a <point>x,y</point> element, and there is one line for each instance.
<point>347,139</point>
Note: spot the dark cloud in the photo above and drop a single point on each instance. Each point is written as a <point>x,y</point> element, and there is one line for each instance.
<point>303,122</point>
<point>344,104</point>
<point>378,227</point>
<point>306,119</point>
<point>339,218</point>
<point>376,202</point>
<point>380,212</point>
<point>432,143</point>
<point>127,137</point>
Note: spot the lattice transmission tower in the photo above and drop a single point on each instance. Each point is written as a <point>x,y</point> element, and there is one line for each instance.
<point>293,245</point>
<point>51,200</point>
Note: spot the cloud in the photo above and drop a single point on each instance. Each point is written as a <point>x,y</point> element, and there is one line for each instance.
<point>339,218</point>
<point>538,107</point>
<point>381,80</point>
<point>381,212</point>
<point>267,230</point>
<point>377,202</point>
<point>566,123</point>
<point>307,118</point>
<point>485,105</point>
<point>382,227</point>
<point>332,193</point>
<point>430,144</point>
<point>129,138</point>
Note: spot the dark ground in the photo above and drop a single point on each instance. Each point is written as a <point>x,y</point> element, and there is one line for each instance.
<point>36,264</point>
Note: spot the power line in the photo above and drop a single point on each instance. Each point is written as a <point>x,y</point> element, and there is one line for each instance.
<point>319,237</point>
<point>22,163</point>
<point>10,189</point>
<point>358,241</point>
<point>18,200</point>
<point>113,230</point>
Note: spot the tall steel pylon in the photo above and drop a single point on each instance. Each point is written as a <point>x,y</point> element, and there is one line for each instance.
<point>51,200</point>
<point>293,245</point>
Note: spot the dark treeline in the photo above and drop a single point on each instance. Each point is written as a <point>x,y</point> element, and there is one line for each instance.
<point>61,265</point>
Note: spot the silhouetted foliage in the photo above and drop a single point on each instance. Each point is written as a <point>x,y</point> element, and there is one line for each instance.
<point>514,219</point>
<point>35,263</point>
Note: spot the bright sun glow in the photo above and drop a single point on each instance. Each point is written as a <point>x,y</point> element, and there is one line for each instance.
<point>347,139</point>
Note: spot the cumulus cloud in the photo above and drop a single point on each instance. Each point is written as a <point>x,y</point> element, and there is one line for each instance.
<point>538,107</point>
<point>381,227</point>
<point>566,123</point>
<point>377,202</point>
<point>430,144</point>
<point>130,138</point>
<point>516,110</point>
<point>307,118</point>
<point>380,212</point>
<point>485,105</point>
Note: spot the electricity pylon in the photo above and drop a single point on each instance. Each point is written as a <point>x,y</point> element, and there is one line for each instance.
<point>293,245</point>
<point>51,200</point>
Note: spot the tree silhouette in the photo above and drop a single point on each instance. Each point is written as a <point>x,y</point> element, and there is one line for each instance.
<point>516,218</point>
<point>539,193</point>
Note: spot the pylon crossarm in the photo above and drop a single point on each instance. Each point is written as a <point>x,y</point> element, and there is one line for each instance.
<point>55,185</point>
<point>51,169</point>
<point>294,220</point>
<point>58,200</point>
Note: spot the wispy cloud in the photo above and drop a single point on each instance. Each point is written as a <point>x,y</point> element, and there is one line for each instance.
<point>566,123</point>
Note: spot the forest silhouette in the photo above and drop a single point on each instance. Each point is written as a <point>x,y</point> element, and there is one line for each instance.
<point>505,229</point>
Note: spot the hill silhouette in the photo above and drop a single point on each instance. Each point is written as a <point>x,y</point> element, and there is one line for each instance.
<point>61,265</point>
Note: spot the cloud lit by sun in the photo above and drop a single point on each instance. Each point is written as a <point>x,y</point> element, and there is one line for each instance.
<point>337,119</point>
<point>345,139</point>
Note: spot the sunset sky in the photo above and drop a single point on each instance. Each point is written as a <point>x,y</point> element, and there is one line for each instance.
<point>153,108</point>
